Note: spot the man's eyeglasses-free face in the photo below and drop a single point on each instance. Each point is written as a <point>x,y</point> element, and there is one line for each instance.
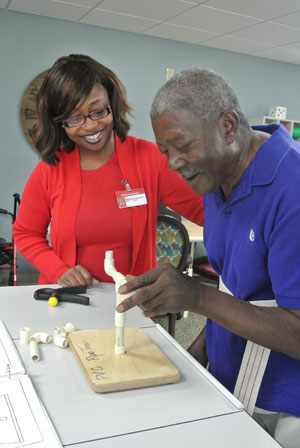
<point>79,121</point>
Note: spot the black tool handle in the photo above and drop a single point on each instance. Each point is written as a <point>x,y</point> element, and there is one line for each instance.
<point>43,294</point>
<point>82,300</point>
<point>79,289</point>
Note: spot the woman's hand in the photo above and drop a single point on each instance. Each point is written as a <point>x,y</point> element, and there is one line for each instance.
<point>78,275</point>
<point>161,290</point>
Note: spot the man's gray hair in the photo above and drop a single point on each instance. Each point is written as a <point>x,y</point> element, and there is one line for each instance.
<point>201,92</point>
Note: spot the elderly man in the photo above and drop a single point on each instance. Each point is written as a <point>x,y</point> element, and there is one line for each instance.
<point>250,179</point>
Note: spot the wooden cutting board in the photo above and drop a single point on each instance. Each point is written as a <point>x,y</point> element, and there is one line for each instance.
<point>142,365</point>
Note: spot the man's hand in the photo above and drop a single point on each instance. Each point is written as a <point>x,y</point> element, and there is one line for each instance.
<point>161,290</point>
<point>78,275</point>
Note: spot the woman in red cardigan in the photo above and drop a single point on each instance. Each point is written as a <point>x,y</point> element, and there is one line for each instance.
<point>98,187</point>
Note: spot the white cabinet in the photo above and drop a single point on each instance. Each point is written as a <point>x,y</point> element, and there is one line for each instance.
<point>291,125</point>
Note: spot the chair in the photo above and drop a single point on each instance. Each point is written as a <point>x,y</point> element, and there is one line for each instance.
<point>202,267</point>
<point>164,210</point>
<point>172,246</point>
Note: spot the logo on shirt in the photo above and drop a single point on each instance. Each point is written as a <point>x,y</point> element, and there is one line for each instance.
<point>251,235</point>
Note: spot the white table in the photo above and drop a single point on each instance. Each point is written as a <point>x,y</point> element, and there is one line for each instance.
<point>18,308</point>
<point>226,431</point>
<point>196,409</point>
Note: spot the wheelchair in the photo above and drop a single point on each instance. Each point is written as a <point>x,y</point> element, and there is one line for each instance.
<point>8,250</point>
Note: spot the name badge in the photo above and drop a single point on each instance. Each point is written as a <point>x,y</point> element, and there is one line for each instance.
<point>132,198</point>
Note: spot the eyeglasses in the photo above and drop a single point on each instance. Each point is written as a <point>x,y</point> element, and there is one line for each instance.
<point>79,121</point>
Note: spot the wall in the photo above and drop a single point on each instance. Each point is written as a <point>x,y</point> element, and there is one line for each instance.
<point>30,44</point>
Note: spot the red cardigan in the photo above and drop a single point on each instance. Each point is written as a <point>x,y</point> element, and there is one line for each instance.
<point>52,194</point>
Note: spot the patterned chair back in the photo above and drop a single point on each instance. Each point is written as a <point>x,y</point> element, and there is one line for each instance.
<point>172,242</point>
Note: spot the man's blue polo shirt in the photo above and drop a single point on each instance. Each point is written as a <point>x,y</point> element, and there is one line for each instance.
<point>253,241</point>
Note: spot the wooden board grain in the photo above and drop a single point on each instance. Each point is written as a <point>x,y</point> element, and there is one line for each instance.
<point>142,365</point>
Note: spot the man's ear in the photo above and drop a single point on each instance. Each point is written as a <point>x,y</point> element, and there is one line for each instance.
<point>229,125</point>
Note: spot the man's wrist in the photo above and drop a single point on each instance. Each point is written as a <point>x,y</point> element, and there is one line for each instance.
<point>198,296</point>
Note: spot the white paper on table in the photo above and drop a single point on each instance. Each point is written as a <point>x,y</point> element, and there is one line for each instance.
<point>23,419</point>
<point>10,362</point>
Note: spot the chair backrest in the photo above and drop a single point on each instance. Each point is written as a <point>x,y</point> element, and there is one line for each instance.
<point>172,242</point>
<point>164,210</point>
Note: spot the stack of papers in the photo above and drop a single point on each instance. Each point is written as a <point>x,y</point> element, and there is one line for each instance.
<point>23,419</point>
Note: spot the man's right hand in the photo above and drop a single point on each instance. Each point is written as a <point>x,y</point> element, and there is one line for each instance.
<point>161,290</point>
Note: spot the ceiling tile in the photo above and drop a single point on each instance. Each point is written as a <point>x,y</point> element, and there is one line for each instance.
<point>154,9</point>
<point>279,54</point>
<point>289,19</point>
<point>214,20</point>
<point>180,33</point>
<point>269,33</point>
<point>242,24</point>
<point>263,9</point>
<point>49,8</point>
<point>234,44</point>
<point>117,21</point>
<point>295,46</point>
<point>90,3</point>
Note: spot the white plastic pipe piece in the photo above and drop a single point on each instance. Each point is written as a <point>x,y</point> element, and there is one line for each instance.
<point>45,338</point>
<point>42,337</point>
<point>24,335</point>
<point>61,341</point>
<point>119,279</point>
<point>120,318</point>
<point>120,344</point>
<point>56,330</point>
<point>34,350</point>
<point>109,267</point>
<point>68,328</point>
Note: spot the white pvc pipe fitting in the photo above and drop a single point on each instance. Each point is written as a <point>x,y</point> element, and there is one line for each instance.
<point>42,337</point>
<point>56,330</point>
<point>34,350</point>
<point>24,335</point>
<point>69,327</point>
<point>60,340</point>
